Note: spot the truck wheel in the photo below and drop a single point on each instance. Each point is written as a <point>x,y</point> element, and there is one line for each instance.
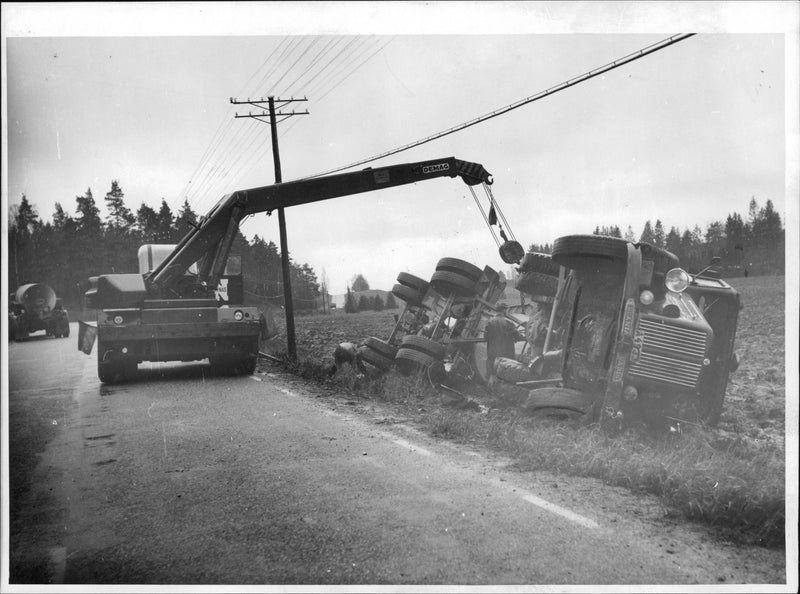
<point>453,283</point>
<point>537,285</point>
<point>553,398</point>
<point>407,294</point>
<point>541,263</point>
<point>577,251</point>
<point>113,372</point>
<point>410,360</point>
<point>460,267</point>
<point>381,346</point>
<point>423,345</point>
<point>375,358</point>
<point>108,373</point>
<point>413,282</point>
<point>247,365</point>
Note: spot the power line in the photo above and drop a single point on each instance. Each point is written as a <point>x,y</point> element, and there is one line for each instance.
<point>546,93</point>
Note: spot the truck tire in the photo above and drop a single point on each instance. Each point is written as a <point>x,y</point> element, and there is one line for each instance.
<point>423,345</point>
<point>228,365</point>
<point>541,263</point>
<point>460,267</point>
<point>554,398</point>
<point>410,360</point>
<point>375,358</point>
<point>413,282</point>
<point>539,286</point>
<point>381,346</point>
<point>446,283</point>
<point>247,365</point>
<point>113,372</point>
<point>407,294</point>
<point>578,251</point>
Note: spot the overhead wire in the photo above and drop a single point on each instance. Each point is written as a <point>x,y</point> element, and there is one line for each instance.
<point>226,124</point>
<point>228,147</point>
<point>516,105</point>
<point>243,134</point>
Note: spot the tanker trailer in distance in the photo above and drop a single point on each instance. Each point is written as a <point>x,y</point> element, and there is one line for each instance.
<point>35,307</point>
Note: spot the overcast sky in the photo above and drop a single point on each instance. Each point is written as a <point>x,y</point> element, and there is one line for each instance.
<point>140,94</point>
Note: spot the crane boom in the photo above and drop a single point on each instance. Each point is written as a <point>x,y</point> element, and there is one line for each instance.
<point>208,243</point>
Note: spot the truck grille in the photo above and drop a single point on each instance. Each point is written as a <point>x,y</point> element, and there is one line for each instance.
<point>669,353</point>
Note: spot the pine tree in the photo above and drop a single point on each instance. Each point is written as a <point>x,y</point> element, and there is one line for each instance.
<point>186,218</point>
<point>350,305</point>
<point>89,222</point>
<point>364,303</point>
<point>647,235</point>
<point>165,225</point>
<point>147,223</point>
<point>377,303</point>
<point>391,303</point>
<point>359,283</point>
<point>658,234</point>
<point>119,215</point>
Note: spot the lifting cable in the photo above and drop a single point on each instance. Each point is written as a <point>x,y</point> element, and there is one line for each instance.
<point>492,218</point>
<point>483,213</point>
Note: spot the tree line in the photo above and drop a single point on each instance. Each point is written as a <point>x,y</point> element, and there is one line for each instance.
<point>754,245</point>
<point>65,251</point>
<point>353,304</point>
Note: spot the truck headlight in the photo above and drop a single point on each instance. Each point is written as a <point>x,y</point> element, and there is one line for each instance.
<point>238,315</point>
<point>118,320</point>
<point>646,297</point>
<point>677,280</point>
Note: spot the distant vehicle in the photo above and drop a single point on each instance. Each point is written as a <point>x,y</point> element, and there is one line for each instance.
<point>35,307</point>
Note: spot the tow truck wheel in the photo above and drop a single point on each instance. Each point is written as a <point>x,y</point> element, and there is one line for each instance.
<point>375,358</point>
<point>112,372</point>
<point>452,283</point>
<point>407,294</point>
<point>577,251</point>
<point>413,282</point>
<point>461,267</point>
<point>247,365</point>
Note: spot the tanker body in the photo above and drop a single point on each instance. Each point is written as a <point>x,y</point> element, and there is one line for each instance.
<point>35,307</point>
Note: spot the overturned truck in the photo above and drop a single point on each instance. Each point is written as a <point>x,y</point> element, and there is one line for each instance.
<point>630,334</point>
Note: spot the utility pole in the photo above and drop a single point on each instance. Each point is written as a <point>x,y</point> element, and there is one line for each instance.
<point>291,345</point>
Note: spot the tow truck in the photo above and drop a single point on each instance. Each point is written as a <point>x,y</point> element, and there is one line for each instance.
<point>170,313</point>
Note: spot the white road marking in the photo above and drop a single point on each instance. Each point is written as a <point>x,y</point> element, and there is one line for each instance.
<point>529,497</point>
<point>412,447</point>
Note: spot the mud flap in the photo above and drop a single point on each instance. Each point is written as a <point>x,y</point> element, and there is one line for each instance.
<point>86,337</point>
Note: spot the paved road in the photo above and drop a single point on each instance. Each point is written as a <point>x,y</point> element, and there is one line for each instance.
<point>184,478</point>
